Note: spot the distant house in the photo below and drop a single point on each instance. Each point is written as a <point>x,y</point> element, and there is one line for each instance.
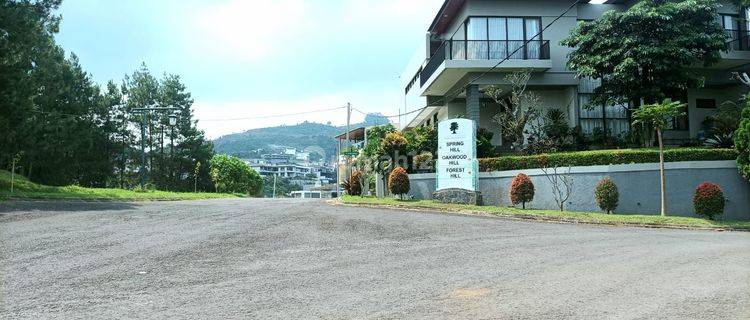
<point>468,37</point>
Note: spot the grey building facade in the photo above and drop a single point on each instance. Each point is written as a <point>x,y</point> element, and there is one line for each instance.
<point>468,37</point>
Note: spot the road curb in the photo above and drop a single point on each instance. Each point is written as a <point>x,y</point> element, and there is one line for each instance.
<point>520,217</point>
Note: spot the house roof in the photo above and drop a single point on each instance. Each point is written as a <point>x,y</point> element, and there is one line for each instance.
<point>450,8</point>
<point>356,134</point>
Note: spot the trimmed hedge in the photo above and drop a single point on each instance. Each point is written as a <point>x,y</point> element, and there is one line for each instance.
<point>605,157</point>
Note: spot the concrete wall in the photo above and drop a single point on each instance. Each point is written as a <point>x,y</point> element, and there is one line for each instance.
<point>638,185</point>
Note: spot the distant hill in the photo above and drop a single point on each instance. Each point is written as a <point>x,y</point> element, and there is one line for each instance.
<point>253,143</point>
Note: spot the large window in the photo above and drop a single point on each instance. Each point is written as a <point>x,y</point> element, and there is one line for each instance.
<point>612,120</point>
<point>498,37</point>
<point>737,27</point>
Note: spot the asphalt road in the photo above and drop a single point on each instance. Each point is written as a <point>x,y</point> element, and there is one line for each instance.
<point>287,259</point>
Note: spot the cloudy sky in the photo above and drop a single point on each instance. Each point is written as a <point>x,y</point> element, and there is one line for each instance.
<point>250,58</point>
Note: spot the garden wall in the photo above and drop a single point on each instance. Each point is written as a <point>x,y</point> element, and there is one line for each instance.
<point>638,185</point>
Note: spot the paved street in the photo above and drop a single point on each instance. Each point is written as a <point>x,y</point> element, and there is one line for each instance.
<point>286,259</point>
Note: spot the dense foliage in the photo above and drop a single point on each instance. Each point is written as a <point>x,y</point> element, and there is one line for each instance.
<point>423,139</point>
<point>231,175</point>
<point>484,143</point>
<point>394,147</point>
<point>398,182</point>
<point>721,126</point>
<point>68,130</point>
<point>742,143</point>
<point>521,190</point>
<point>605,157</point>
<point>606,194</point>
<point>648,51</point>
<point>283,187</point>
<point>708,200</point>
<point>553,134</point>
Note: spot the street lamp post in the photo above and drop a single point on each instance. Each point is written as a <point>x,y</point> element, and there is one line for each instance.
<point>145,112</point>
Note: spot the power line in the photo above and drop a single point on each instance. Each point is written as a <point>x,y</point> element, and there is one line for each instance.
<point>393,116</point>
<point>275,115</point>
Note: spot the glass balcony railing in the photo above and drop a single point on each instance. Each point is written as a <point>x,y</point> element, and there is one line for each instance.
<point>739,40</point>
<point>485,50</point>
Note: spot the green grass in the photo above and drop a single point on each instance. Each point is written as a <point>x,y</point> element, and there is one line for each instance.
<point>25,189</point>
<point>554,215</point>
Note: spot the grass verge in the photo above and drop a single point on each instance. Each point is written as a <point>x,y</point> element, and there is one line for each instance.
<point>554,215</point>
<point>25,189</point>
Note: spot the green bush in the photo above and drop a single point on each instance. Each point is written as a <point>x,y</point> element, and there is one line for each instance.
<point>398,182</point>
<point>605,157</point>
<point>231,175</point>
<point>521,190</point>
<point>708,200</point>
<point>606,194</point>
<point>742,143</point>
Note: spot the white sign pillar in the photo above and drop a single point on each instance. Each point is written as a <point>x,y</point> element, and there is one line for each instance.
<point>457,164</point>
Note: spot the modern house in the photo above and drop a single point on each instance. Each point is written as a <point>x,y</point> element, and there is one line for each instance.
<point>468,37</point>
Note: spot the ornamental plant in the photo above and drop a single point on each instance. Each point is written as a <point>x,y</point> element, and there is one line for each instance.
<point>398,182</point>
<point>231,175</point>
<point>742,143</point>
<point>708,200</point>
<point>521,190</point>
<point>606,194</point>
<point>657,116</point>
<point>353,187</point>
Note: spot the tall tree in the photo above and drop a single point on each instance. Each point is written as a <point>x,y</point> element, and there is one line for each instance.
<point>141,91</point>
<point>190,144</point>
<point>648,51</point>
<point>26,30</point>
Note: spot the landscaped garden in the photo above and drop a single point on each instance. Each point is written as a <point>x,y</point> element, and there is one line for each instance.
<point>550,215</point>
<point>652,89</point>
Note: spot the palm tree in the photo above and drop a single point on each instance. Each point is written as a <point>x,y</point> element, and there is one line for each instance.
<point>657,116</point>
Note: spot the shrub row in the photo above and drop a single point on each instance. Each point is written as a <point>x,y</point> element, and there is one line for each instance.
<point>605,157</point>
<point>708,198</point>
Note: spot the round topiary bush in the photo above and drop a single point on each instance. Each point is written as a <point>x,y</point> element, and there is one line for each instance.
<point>708,200</point>
<point>521,190</point>
<point>398,182</point>
<point>606,194</point>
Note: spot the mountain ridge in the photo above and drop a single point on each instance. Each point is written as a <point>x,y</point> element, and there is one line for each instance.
<point>302,136</point>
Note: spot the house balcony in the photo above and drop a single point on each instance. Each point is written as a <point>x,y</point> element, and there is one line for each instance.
<point>737,50</point>
<point>455,58</point>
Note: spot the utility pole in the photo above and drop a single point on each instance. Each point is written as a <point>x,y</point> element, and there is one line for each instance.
<point>142,171</point>
<point>348,144</point>
<point>338,169</point>
<point>144,121</point>
<point>274,186</point>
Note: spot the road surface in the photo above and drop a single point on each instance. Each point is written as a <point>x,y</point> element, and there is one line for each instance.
<point>293,259</point>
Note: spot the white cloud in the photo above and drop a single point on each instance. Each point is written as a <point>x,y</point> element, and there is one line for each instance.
<point>247,30</point>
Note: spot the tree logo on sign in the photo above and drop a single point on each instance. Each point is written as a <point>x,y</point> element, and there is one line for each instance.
<point>454,127</point>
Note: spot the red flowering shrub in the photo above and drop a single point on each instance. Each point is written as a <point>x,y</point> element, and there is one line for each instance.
<point>398,182</point>
<point>521,190</point>
<point>606,194</point>
<point>708,200</point>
